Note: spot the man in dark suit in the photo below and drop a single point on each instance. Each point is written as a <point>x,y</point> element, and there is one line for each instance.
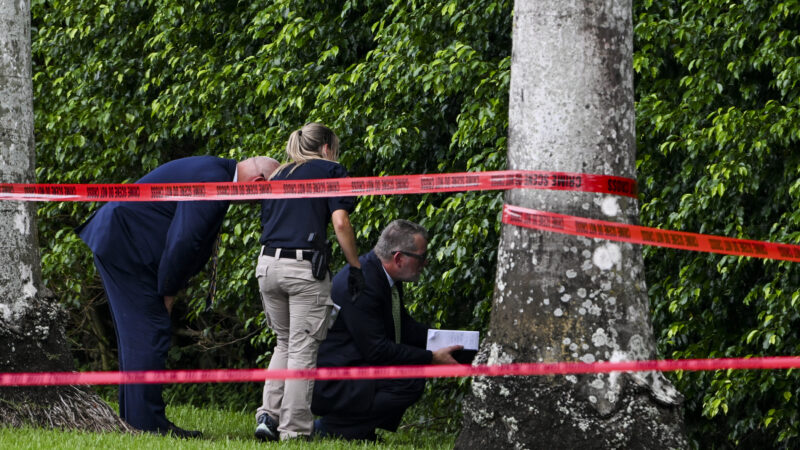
<point>145,253</point>
<point>374,329</point>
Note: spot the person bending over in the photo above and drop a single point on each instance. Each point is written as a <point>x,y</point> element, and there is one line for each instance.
<point>145,253</point>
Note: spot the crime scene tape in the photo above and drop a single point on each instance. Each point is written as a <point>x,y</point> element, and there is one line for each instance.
<point>559,223</point>
<point>333,187</point>
<point>382,372</point>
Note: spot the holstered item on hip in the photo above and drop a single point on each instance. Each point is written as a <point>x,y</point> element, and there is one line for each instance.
<point>321,257</point>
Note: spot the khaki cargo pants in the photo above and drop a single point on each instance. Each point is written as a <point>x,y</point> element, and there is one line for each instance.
<point>297,308</point>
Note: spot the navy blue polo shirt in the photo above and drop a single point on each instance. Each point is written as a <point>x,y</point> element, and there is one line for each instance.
<point>286,223</point>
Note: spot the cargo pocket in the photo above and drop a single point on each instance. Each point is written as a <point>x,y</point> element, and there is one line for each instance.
<point>324,299</point>
<point>319,317</point>
<point>267,319</point>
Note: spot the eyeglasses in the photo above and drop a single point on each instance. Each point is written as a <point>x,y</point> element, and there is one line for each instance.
<point>423,258</point>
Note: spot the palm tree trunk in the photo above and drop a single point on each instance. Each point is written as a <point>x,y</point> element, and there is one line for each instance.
<point>31,321</point>
<point>566,298</point>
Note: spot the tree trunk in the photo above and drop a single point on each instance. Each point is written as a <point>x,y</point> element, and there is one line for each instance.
<point>31,321</point>
<point>567,298</point>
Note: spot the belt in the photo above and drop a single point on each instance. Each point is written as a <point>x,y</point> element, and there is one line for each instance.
<point>293,253</point>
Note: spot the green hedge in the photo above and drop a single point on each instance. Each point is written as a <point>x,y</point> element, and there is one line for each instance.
<point>718,126</point>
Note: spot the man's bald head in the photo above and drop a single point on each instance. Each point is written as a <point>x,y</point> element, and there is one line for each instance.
<point>257,168</point>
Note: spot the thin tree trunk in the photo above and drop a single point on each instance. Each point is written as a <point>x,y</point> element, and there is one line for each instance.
<point>565,298</point>
<point>101,334</point>
<point>31,321</point>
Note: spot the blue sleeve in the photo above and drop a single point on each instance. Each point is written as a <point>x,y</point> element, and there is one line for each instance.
<point>335,203</point>
<point>190,239</point>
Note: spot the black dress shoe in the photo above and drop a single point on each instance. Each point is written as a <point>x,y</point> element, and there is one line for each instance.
<point>266,428</point>
<point>178,432</point>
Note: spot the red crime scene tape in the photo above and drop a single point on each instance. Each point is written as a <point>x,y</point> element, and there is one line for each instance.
<point>334,187</point>
<point>413,184</point>
<point>382,372</point>
<point>559,223</point>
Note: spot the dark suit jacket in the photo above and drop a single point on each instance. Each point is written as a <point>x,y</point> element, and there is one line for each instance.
<point>363,335</point>
<point>172,239</point>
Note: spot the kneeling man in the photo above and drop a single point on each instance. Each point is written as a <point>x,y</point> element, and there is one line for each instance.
<point>374,329</point>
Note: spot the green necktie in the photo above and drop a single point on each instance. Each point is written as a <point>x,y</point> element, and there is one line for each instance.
<point>396,312</point>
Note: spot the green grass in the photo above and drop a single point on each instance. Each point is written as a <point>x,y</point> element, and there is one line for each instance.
<point>221,429</point>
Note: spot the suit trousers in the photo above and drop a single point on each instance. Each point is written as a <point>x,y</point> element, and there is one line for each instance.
<point>144,332</point>
<point>392,398</point>
<point>297,308</point>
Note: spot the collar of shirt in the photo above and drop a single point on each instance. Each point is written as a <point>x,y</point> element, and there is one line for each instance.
<point>391,281</point>
<point>236,174</point>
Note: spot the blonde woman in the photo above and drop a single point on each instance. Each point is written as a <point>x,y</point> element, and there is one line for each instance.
<point>295,293</point>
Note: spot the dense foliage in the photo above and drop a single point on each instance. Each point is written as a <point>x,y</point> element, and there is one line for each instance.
<point>421,86</point>
<point>410,87</point>
<point>718,87</point>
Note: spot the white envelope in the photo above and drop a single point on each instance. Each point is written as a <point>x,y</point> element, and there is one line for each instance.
<point>445,338</point>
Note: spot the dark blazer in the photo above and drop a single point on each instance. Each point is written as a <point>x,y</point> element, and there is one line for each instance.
<point>363,335</point>
<point>172,239</point>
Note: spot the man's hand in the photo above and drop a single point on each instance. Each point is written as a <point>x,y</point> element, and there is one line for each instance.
<point>355,282</point>
<point>444,355</point>
<point>168,301</point>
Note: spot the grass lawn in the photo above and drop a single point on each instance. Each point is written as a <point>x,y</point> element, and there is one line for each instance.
<point>221,430</point>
